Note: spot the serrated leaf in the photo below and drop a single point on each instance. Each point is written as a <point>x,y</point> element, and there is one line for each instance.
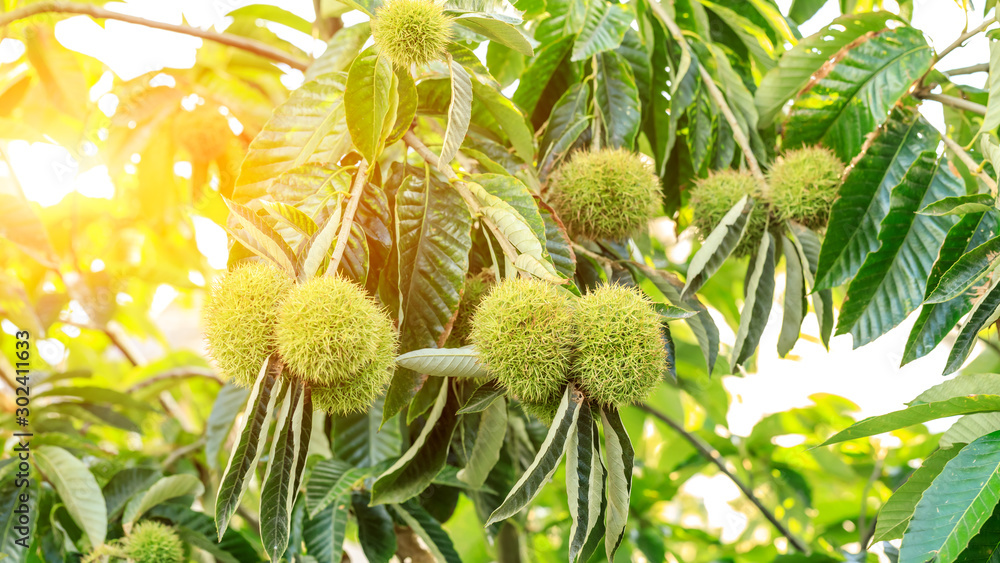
<point>857,94</point>
<point>459,112</point>
<point>328,483</point>
<point>418,466</point>
<point>308,128</point>
<point>245,456</point>
<point>124,485</point>
<point>620,457</point>
<point>77,488</point>
<point>358,440</point>
<point>482,398</point>
<point>865,196</point>
<point>604,28</point>
<point>617,100</point>
<point>496,30</point>
<point>916,414</point>
<point>966,271</point>
<point>808,244</point>
<point>444,362</point>
<point>757,305</point>
<point>429,530</point>
<point>794,308</point>
<point>514,226</point>
<point>984,547</point>
<point>277,496</point>
<point>579,457</point>
<point>984,313</point>
<point>718,245</point>
<point>797,65</point>
<point>959,205</point>
<point>260,238</point>
<point>167,488</point>
<point>557,243</point>
<point>488,445</point>
<point>198,530</point>
<point>890,283</point>
<point>545,462</point>
<point>371,98</point>
<point>406,108</point>
<point>895,514</point>
<point>324,533</point>
<point>568,119</point>
<point>956,504</point>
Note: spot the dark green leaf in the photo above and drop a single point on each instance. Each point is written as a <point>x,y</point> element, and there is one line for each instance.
<point>482,398</point>
<point>916,414</point>
<point>718,245</point>
<point>375,529</point>
<point>371,98</point>
<point>984,313</point>
<point>329,481</point>
<point>324,533</point>
<point>966,271</point>
<point>429,530</point>
<point>489,442</point>
<point>604,28</point>
<point>895,514</point>
<point>277,496</point>
<point>620,456</point>
<point>228,404</point>
<point>757,305</point>
<point>358,440</point>
<point>124,484</point>
<point>794,302</point>
<point>617,100</point>
<point>959,205</point>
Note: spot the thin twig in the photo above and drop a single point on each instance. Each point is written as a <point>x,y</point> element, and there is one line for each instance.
<point>348,220</point>
<point>964,37</point>
<point>715,93</point>
<point>177,373</point>
<point>425,153</point>
<point>969,163</point>
<point>952,101</point>
<point>983,67</point>
<point>61,7</point>
<point>863,527</point>
<point>183,451</point>
<point>709,453</point>
<point>591,254</point>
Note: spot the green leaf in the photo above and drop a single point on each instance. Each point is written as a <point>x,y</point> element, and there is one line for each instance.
<point>358,440</point>
<point>916,414</point>
<point>865,196</point>
<point>429,530</point>
<point>527,237</point>
<point>890,283</point>
<point>617,100</point>
<point>245,456</point>
<point>77,488</point>
<point>197,529</point>
<point>329,481</point>
<point>308,128</point>
<point>12,528</point>
<point>984,313</point>
<point>260,238</point>
<point>895,514</point>
<point>557,242</point>
<point>718,245</point>
<point>797,65</point>
<point>580,481</point>
<point>459,112</point>
<point>279,491</point>
<point>434,236</point>
<point>545,462</point>
<point>496,30</point>
<point>802,10</point>
<point>757,43</point>
<point>620,457</point>
<point>406,109</point>
<point>604,28</point>
<point>488,445</point>
<point>808,244</point>
<point>324,533</point>
<point>757,305</point>
<point>482,398</point>
<point>290,216</point>
<point>228,404</point>
<point>937,319</point>
<point>124,484</point>
<point>371,98</point>
<point>992,118</point>
<point>956,505</point>
<point>966,271</point>
<point>569,118</point>
<point>984,547</point>
<point>959,205</point>
<point>23,227</point>
<point>795,298</point>
<point>418,466</point>
<point>444,362</point>
<point>544,74</point>
<point>514,193</point>
<point>375,530</point>
<point>841,107</point>
<point>510,118</point>
<point>165,489</point>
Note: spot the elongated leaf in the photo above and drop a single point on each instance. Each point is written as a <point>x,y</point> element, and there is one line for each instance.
<point>916,414</point>
<point>434,235</point>
<point>620,457</point>
<point>757,43</point>
<point>77,488</point>
<point>617,100</point>
<point>795,299</point>
<point>459,111</point>
<point>329,480</point>
<point>984,313</point>
<point>444,362</point>
<point>246,454</point>
<point>324,533</point>
<point>340,51</point>
<point>937,319</point>
<point>278,493</point>
<point>757,305</point>
<point>198,530</point>
<point>966,271</point>
<point>259,237</point>
<point>545,462</point>
<point>358,440</point>
<point>406,108</point>
<point>956,505</point>
<point>308,128</point>
<point>418,466</point>
<point>488,445</point>
<point>517,195</point>
<point>375,529</point>
<point>526,236</point>
<point>546,76</point>
<point>482,398</point>
<point>13,529</point>
<point>808,245</point>
<point>124,485</point>
<point>718,245</point>
<point>569,118</point>
<point>797,65</point>
<point>228,403</point>
<point>557,242</point>
<point>865,196</point>
<point>984,547</point>
<point>371,98</point>
<point>959,205</point>
<point>890,283</point>
<point>318,246</point>
<point>992,118</point>
<point>291,216</point>
<point>510,118</point>
<point>429,530</point>
<point>895,514</point>
<point>496,30</point>
<point>841,107</point>
<point>579,460</point>
<point>165,489</point>
<point>604,28</point>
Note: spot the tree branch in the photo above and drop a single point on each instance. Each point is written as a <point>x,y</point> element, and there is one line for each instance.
<point>62,7</point>
<point>715,457</point>
<point>964,37</point>
<point>952,101</point>
<point>983,67</point>
<point>360,180</point>
<point>969,163</point>
<point>714,92</point>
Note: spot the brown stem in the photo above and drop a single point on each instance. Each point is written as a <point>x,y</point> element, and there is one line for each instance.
<point>715,457</point>
<point>347,222</point>
<point>62,7</point>
<point>969,163</point>
<point>952,101</point>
